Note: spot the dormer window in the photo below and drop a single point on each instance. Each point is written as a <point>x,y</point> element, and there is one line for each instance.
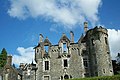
<point>64,48</point>
<point>64,44</point>
<point>46,45</point>
<point>46,48</point>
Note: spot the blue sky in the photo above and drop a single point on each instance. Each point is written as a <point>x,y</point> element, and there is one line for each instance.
<point>21,22</point>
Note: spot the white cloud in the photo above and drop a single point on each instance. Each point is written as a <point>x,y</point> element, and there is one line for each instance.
<point>66,12</point>
<point>26,55</point>
<point>114,39</point>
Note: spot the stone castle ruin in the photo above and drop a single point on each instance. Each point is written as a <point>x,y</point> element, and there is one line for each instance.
<point>88,57</point>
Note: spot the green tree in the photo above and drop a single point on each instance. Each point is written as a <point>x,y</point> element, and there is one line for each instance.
<point>3,57</point>
<point>118,58</point>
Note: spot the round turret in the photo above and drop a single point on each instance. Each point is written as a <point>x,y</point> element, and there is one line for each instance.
<point>98,47</point>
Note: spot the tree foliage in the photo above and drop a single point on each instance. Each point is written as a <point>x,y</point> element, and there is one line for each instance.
<point>118,58</point>
<point>3,58</point>
<point>116,64</point>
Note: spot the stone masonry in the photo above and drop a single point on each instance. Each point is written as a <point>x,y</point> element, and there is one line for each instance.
<point>88,57</point>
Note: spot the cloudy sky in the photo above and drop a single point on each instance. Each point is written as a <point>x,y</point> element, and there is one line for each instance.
<point>21,22</point>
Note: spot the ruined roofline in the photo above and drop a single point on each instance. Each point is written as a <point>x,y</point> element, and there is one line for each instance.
<point>81,39</point>
<point>46,41</point>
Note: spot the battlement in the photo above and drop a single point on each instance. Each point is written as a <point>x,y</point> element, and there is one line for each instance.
<point>96,30</point>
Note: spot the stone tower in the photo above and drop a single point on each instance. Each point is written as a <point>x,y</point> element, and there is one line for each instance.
<point>99,52</point>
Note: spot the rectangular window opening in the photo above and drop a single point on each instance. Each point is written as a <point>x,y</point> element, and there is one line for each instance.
<point>78,52</point>
<point>64,47</point>
<point>46,65</point>
<point>95,59</point>
<point>92,40</point>
<point>65,63</point>
<point>85,64</point>
<point>108,52</point>
<point>46,78</point>
<point>37,50</point>
<point>46,48</point>
<point>86,74</point>
<point>106,40</point>
<point>103,70</point>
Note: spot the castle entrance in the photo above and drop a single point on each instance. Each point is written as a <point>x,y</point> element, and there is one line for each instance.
<point>66,77</point>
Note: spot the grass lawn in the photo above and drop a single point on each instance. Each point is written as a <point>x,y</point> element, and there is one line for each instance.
<point>115,77</point>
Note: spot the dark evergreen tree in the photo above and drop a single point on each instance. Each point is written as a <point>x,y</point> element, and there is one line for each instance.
<point>118,58</point>
<point>116,64</point>
<point>3,57</point>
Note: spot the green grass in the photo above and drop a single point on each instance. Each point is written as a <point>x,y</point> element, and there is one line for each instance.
<point>115,77</point>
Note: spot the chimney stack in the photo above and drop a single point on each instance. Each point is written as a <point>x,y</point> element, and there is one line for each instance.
<point>9,60</point>
<point>21,65</point>
<point>72,37</point>
<point>85,26</point>
<point>41,38</point>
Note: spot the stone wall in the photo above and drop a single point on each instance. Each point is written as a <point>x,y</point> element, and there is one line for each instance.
<point>90,56</point>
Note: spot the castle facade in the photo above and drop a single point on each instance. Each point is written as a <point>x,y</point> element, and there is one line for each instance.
<point>88,57</point>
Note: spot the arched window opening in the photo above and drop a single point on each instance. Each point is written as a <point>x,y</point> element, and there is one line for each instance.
<point>66,77</point>
<point>70,76</point>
